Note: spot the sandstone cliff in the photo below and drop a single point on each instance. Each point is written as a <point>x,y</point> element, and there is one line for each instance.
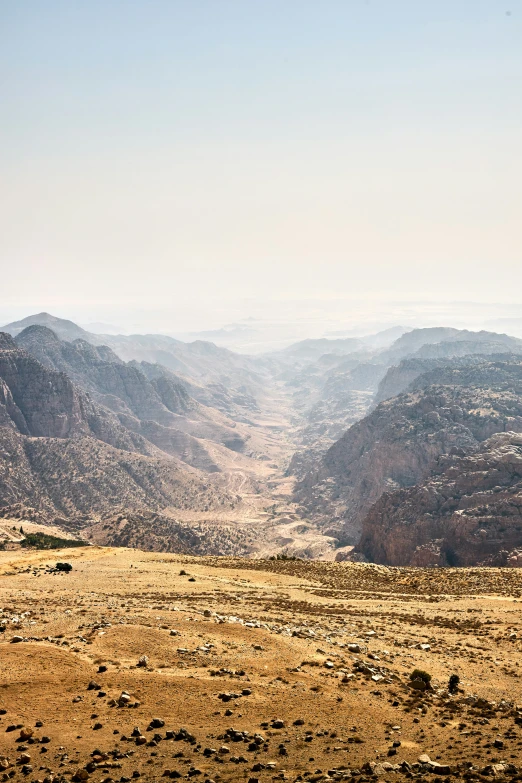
<point>469,512</point>
<point>452,370</point>
<point>398,444</point>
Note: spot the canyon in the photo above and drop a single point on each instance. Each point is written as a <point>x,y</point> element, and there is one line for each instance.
<point>322,450</point>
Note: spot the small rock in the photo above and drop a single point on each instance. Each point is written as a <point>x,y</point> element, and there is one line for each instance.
<point>439,769</point>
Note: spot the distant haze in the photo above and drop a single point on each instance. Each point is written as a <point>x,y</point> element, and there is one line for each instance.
<point>187,164</point>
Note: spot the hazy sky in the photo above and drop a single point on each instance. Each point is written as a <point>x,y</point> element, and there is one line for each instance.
<point>186,154</point>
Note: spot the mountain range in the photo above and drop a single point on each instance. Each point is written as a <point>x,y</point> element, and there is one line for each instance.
<point>348,448</point>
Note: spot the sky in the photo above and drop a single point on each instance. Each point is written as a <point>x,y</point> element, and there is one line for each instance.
<point>192,162</point>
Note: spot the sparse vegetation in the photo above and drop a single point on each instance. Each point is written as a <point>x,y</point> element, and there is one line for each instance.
<point>420,674</point>
<point>453,684</point>
<point>64,567</point>
<point>46,541</point>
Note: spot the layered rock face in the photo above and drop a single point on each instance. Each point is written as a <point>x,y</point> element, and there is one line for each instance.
<point>469,512</point>
<point>97,369</point>
<point>399,443</point>
<point>39,402</point>
<point>63,455</point>
<point>158,409</point>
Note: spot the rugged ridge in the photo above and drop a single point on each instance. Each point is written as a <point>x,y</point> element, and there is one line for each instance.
<point>40,402</point>
<point>200,360</point>
<point>469,512</point>
<point>159,409</point>
<point>81,479</point>
<point>444,342</point>
<point>462,370</point>
<point>63,455</point>
<point>398,444</point>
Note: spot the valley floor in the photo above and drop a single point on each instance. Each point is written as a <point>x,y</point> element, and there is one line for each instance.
<point>254,669</point>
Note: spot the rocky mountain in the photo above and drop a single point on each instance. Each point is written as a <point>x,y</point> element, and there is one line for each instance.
<point>198,361</point>
<point>160,409</point>
<point>39,402</point>
<point>468,512</point>
<point>72,481</point>
<point>237,405</point>
<point>333,391</point>
<point>64,455</point>
<point>307,351</point>
<point>398,443</point>
<point>66,330</point>
<point>118,436</point>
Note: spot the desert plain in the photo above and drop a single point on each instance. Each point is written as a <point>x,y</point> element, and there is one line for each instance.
<point>146,665</point>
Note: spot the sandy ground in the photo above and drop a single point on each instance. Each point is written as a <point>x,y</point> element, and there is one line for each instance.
<point>254,643</point>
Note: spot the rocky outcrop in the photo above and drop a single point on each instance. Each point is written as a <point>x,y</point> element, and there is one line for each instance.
<point>469,512</point>
<point>455,348</point>
<point>399,377</point>
<point>398,444</point>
